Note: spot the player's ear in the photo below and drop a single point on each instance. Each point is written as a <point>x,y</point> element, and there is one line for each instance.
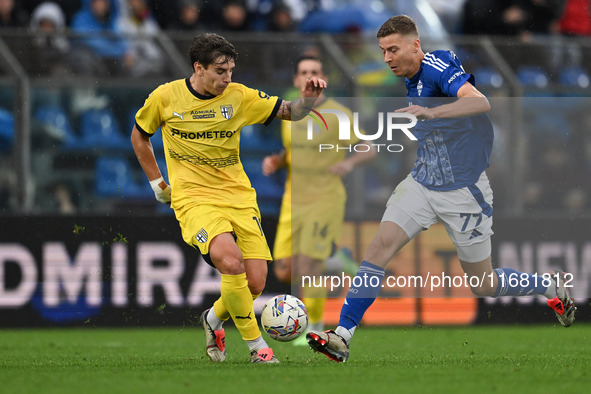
<point>198,69</point>
<point>416,45</point>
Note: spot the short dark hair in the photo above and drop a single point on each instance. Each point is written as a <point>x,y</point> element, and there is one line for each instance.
<point>208,47</point>
<point>399,24</point>
<point>302,58</point>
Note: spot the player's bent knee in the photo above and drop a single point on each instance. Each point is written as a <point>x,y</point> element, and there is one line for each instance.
<point>256,286</point>
<point>229,265</point>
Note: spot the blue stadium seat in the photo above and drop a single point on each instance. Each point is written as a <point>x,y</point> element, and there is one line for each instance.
<point>488,77</point>
<point>258,140</point>
<point>574,77</point>
<point>157,143</point>
<point>266,186</point>
<point>250,140</point>
<point>114,178</point>
<point>269,189</point>
<point>532,76</point>
<point>57,123</point>
<point>6,130</point>
<point>99,129</point>
<point>161,161</point>
<point>156,140</point>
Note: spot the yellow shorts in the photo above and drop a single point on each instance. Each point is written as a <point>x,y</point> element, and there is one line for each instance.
<point>200,224</point>
<point>311,229</point>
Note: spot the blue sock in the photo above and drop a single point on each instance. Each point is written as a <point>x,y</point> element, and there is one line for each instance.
<point>515,283</point>
<point>364,289</point>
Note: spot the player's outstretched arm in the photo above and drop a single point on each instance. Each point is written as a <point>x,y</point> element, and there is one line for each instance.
<point>298,109</point>
<point>470,102</point>
<point>145,155</point>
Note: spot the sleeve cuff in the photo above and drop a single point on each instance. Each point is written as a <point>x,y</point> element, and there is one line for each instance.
<point>273,112</point>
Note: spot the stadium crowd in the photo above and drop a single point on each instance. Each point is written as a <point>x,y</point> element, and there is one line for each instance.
<point>104,38</point>
<point>491,17</point>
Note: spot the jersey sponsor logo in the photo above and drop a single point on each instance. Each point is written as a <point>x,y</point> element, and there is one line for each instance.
<point>227,111</point>
<point>201,236</point>
<point>420,87</point>
<point>457,74</point>
<point>184,135</point>
<point>182,116</point>
<point>198,160</point>
<point>203,114</point>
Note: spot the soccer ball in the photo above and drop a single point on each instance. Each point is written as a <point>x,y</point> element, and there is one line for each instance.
<point>284,317</point>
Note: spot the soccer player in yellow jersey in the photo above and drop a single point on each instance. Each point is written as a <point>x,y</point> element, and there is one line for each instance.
<point>313,205</point>
<point>200,118</point>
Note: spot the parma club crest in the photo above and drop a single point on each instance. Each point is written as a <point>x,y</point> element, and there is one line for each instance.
<point>227,111</point>
<point>201,236</point>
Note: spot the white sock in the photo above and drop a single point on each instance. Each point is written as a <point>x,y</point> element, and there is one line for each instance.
<point>551,290</point>
<point>214,322</point>
<point>257,344</point>
<point>344,333</point>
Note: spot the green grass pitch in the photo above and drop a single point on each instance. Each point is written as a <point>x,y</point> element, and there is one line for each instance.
<point>501,359</point>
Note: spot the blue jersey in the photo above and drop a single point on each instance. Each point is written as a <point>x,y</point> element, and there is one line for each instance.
<point>451,153</point>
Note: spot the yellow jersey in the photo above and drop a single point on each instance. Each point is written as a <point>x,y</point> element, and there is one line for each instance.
<point>201,136</point>
<point>308,168</point>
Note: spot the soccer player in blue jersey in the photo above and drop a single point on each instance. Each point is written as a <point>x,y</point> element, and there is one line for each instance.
<point>448,183</point>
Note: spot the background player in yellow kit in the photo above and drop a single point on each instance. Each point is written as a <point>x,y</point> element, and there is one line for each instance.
<point>200,118</point>
<point>312,211</point>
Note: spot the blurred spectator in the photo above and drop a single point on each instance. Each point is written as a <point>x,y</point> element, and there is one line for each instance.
<point>576,18</point>
<point>188,17</point>
<point>48,32</point>
<point>543,15</point>
<point>11,15</point>
<point>261,13</point>
<point>555,183</point>
<point>491,17</point>
<point>140,28</point>
<point>344,19</point>
<point>164,11</point>
<point>280,18</point>
<point>511,17</point>
<point>103,50</point>
<point>68,7</point>
<point>235,16</point>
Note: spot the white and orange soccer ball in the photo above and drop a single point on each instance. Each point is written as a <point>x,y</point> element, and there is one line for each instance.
<point>284,317</point>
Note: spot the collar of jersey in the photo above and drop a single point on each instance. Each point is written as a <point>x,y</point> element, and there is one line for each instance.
<point>196,93</point>
<point>416,77</point>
